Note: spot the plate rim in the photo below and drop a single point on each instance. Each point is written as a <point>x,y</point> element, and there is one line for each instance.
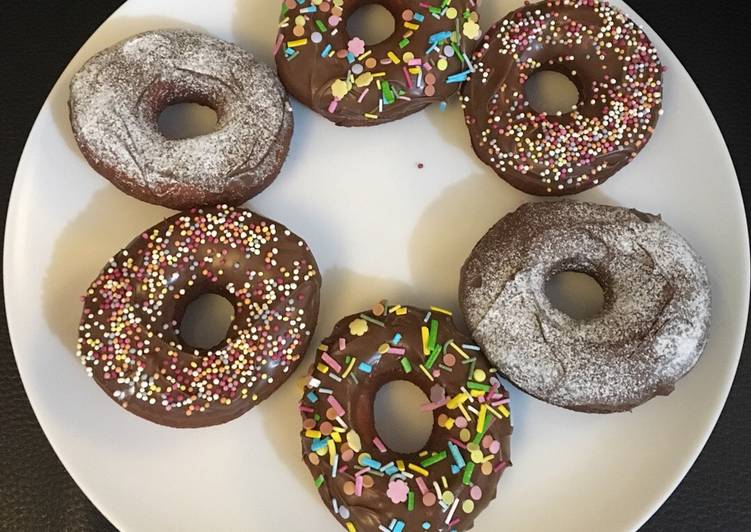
<point>10,230</point>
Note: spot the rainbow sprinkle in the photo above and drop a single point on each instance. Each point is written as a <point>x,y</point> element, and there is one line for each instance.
<point>446,480</point>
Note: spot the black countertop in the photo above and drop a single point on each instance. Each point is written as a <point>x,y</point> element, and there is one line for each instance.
<point>40,37</point>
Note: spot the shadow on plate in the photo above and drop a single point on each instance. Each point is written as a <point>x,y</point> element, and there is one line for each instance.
<point>248,17</point>
<point>106,225</point>
<point>344,292</point>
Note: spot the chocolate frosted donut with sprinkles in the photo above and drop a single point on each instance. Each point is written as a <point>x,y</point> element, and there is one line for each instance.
<point>366,485</point>
<point>650,332</point>
<point>129,337</point>
<point>356,84</point>
<point>118,95</point>
<point>612,63</point>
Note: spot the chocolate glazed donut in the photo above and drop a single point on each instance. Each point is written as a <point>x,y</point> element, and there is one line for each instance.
<point>366,485</point>
<point>650,332</point>
<point>610,60</point>
<point>354,84</point>
<point>117,96</point>
<point>129,338</point>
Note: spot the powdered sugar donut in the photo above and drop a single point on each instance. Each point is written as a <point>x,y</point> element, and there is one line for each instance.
<point>118,95</point>
<point>650,332</point>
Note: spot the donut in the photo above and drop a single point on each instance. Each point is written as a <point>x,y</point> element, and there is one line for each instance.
<point>118,95</point>
<point>355,84</point>
<point>368,486</point>
<point>650,332</point>
<point>129,337</point>
<point>610,60</point>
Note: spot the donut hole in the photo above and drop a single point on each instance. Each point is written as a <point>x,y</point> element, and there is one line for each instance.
<point>576,294</point>
<point>372,23</point>
<point>551,92</point>
<point>400,423</point>
<point>187,120</point>
<point>206,321</point>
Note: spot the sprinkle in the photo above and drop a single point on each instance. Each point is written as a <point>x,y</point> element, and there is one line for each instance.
<point>331,362</point>
<point>367,461</point>
<point>406,365</point>
<point>318,481</point>
<point>388,95</point>
<point>350,527</point>
<point>427,373</point>
<point>358,485</point>
<point>471,29</point>
<point>379,444</point>
<point>441,310</point>
<point>418,469</point>
<point>334,465</point>
<point>433,334</point>
<point>316,445</point>
<point>481,418</point>
<point>467,477</point>
<point>425,336</point>
<point>457,400</point>
<point>397,491</point>
<point>349,367</point>
<point>450,515</point>
<point>339,89</point>
<point>456,348</point>
<point>278,43</point>
<point>433,356</point>
<point>458,78</point>
<point>456,454</point>
<point>394,58</point>
<point>368,318</point>
<point>312,397</point>
<point>478,386</point>
<point>295,44</point>
<point>336,405</point>
<point>407,77</point>
<point>438,37</point>
<point>434,459</point>
<point>356,46</point>
<point>367,368</point>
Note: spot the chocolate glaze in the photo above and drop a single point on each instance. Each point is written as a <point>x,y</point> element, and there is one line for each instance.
<point>357,341</point>
<point>117,96</point>
<point>612,63</point>
<point>129,338</point>
<point>309,77</point>
<point>650,332</point>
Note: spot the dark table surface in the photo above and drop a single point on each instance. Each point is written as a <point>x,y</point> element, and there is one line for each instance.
<point>39,38</point>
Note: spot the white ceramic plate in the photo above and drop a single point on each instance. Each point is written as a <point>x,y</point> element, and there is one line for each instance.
<point>380,227</point>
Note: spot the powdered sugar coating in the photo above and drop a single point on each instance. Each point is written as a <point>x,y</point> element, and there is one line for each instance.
<point>650,332</point>
<point>116,99</point>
